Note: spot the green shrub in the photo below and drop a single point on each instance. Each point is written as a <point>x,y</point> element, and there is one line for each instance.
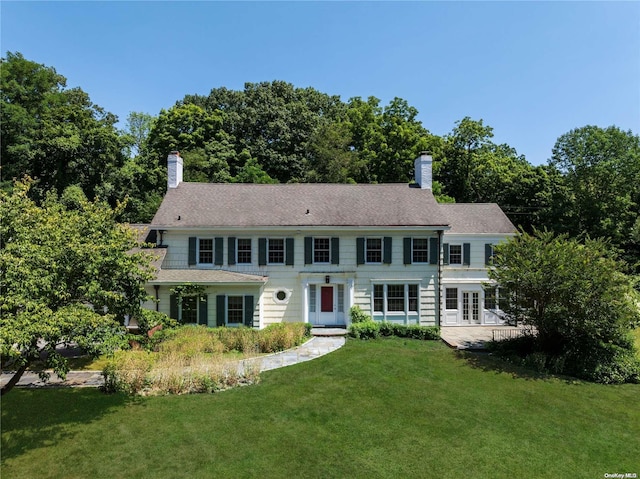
<point>153,343</point>
<point>364,330</point>
<point>579,300</point>
<point>148,319</point>
<point>605,363</point>
<point>387,329</point>
<point>536,361</point>
<point>358,316</point>
<point>413,331</point>
<point>307,329</point>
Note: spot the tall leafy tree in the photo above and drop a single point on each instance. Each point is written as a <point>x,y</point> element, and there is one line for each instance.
<point>475,169</point>
<point>468,140</point>
<point>55,134</point>
<point>137,131</point>
<point>273,121</point>
<point>387,139</point>
<point>331,157</point>
<point>68,275</point>
<point>600,168</point>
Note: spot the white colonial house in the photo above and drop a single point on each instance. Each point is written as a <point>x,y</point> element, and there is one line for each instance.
<point>265,254</point>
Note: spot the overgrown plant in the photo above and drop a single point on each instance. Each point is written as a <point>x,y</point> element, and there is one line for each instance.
<point>579,301</point>
<point>357,315</point>
<point>193,359</point>
<point>148,319</point>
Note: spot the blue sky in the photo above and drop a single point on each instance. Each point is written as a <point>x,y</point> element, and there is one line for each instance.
<point>531,70</point>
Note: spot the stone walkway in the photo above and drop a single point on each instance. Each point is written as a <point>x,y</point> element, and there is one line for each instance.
<point>476,337</point>
<point>314,348</point>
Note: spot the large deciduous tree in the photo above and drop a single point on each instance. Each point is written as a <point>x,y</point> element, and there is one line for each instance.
<point>476,170</point>
<point>600,168</point>
<point>581,304</point>
<point>55,134</point>
<point>68,276</point>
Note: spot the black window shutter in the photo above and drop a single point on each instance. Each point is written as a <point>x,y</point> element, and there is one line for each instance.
<point>308,250</point>
<point>488,250</point>
<point>262,251</point>
<point>445,248</point>
<point>360,250</point>
<point>248,311</point>
<point>173,306</point>
<point>434,252</point>
<point>192,250</point>
<point>335,250</point>
<point>231,250</point>
<point>219,251</point>
<point>289,251</point>
<point>406,250</point>
<point>221,309</point>
<point>466,254</point>
<point>386,258</point>
<point>152,237</point>
<point>203,310</point>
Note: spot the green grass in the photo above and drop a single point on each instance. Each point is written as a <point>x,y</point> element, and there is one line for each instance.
<point>387,408</point>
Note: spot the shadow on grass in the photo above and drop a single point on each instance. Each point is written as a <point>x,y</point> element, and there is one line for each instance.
<point>34,418</point>
<point>490,363</point>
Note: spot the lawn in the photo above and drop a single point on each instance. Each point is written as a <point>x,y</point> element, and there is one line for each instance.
<point>387,408</point>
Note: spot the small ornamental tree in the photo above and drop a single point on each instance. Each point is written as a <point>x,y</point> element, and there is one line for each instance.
<point>68,276</point>
<point>575,295</point>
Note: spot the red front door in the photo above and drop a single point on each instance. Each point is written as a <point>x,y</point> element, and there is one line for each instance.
<point>326,299</point>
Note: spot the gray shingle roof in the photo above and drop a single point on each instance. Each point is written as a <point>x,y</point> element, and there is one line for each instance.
<point>300,204</point>
<point>480,218</point>
<point>217,276</point>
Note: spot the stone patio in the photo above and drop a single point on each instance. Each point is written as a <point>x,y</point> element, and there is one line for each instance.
<point>476,337</point>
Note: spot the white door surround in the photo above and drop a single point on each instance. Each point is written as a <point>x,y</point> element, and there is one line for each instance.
<point>463,304</point>
<point>327,303</point>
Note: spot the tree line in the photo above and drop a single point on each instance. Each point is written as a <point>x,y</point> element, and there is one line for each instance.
<point>275,132</point>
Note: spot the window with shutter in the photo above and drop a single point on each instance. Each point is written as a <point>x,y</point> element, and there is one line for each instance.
<point>205,251</point>
<point>455,254</point>
<point>219,245</point>
<point>488,254</point>
<point>420,250</point>
<point>359,250</point>
<point>466,254</point>
<point>243,250</point>
<point>434,252</point>
<point>373,253</point>
<point>335,250</point>
<point>193,243</point>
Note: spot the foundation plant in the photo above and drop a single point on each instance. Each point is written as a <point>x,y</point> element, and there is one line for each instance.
<point>197,359</point>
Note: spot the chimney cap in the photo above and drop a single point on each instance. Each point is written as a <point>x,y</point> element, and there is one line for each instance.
<point>175,152</point>
<point>425,152</point>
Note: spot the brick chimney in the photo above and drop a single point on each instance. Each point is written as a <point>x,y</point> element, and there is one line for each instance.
<point>423,174</point>
<point>174,169</point>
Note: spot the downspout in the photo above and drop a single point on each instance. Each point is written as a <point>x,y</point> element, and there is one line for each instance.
<point>157,288</point>
<point>439,296</point>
